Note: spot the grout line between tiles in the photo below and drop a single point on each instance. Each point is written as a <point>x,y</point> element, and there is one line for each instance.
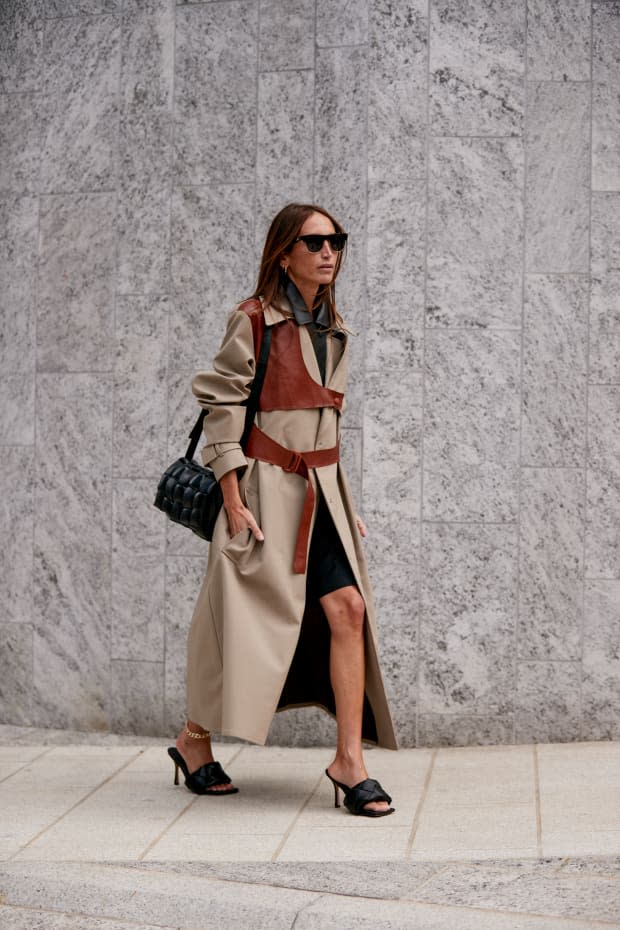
<point>537,800</point>
<point>421,520</point>
<point>77,804</point>
<point>418,811</point>
<point>26,764</point>
<point>174,820</point>
<point>295,819</point>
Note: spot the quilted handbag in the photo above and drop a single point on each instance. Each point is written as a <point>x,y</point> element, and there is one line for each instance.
<point>190,493</point>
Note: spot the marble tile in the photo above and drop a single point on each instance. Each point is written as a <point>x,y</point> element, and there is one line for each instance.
<point>82,62</point>
<point>286,38</point>
<point>137,703</point>
<point>395,275</point>
<point>302,726</point>
<point>475,232</point>
<point>146,81</point>
<point>397,90</point>
<point>548,702</point>
<point>464,730</point>
<point>205,258</point>
<point>558,177</point>
<point>215,92</point>
<point>392,552</point>
<point>16,532</point>
<point>605,102</point>
<point>605,329</point>
<point>603,483</point>
<point>19,218</point>
<point>138,528</point>
<point>72,550</point>
<point>351,459</point>
<point>137,608</point>
<point>183,579</point>
<point>140,421</point>
<point>75,329</point>
<point>555,342</point>
<point>183,410</point>
<point>341,23</point>
<point>143,224</point>
<point>72,602</point>
<point>605,234</point>
<point>392,442</point>
<point>21,126</point>
<point>55,8</point>
<point>471,426</point>
<point>558,40</point>
<point>21,47</point>
<point>17,410</point>
<point>356,378</point>
<point>477,65</point>
<point>284,144</point>
<point>469,604</point>
<point>16,681</point>
<point>601,661</point>
<point>74,428</point>
<point>340,137</point>
<point>197,324</point>
<point>551,564</point>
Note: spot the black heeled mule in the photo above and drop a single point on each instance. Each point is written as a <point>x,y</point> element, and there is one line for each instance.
<point>363,793</point>
<point>203,779</point>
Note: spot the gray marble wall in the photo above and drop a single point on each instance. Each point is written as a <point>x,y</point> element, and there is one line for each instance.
<point>472,150</point>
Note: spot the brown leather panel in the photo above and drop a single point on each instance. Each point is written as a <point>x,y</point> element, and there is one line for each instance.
<point>288,385</point>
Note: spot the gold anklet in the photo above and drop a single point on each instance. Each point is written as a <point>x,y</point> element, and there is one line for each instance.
<point>192,735</point>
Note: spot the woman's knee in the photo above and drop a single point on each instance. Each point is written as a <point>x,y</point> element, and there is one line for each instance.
<point>345,611</point>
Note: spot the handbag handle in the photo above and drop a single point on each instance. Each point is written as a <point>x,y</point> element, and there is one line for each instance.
<point>251,403</point>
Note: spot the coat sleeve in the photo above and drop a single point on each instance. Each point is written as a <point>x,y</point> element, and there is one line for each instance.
<point>221,393</point>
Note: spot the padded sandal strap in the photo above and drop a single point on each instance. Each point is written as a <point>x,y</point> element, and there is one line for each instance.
<point>363,793</point>
<point>211,774</point>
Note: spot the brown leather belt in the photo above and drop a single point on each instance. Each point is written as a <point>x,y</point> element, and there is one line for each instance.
<point>262,447</point>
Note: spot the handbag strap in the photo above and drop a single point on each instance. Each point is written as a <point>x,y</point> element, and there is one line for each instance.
<point>251,403</point>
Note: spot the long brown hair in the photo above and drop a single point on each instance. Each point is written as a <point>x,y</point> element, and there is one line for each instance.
<point>284,229</point>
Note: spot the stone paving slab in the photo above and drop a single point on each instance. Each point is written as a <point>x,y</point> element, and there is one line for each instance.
<point>100,798</point>
<point>529,895</point>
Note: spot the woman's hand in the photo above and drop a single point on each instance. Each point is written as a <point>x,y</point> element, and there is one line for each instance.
<point>361,525</point>
<point>239,517</point>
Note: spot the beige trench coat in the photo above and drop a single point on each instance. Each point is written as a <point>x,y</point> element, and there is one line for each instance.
<point>247,654</point>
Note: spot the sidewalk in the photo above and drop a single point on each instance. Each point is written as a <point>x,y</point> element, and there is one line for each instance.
<point>500,834</point>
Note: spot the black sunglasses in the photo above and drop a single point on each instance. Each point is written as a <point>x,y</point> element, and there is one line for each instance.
<point>337,241</point>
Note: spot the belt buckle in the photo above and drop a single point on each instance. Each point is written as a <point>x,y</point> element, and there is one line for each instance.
<point>294,462</point>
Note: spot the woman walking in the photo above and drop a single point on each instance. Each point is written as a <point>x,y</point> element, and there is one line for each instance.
<point>285,615</point>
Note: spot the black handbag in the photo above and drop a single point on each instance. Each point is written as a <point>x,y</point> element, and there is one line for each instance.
<point>190,493</point>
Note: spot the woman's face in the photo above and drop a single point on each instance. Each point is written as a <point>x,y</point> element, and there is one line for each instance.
<point>311,270</point>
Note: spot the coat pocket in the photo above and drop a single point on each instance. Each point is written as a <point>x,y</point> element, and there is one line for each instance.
<point>239,547</point>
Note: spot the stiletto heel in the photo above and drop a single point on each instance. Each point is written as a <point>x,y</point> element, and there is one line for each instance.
<point>359,795</point>
<point>203,779</point>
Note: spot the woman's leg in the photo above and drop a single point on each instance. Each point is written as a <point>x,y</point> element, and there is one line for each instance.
<point>345,611</point>
<point>197,752</point>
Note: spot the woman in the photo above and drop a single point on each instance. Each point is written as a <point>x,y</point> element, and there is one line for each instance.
<point>285,614</point>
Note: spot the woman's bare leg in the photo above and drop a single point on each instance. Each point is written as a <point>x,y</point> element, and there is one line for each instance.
<point>197,752</point>
<point>345,612</point>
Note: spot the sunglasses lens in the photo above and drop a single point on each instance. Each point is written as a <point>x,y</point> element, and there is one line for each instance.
<point>337,241</point>
<point>314,243</point>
